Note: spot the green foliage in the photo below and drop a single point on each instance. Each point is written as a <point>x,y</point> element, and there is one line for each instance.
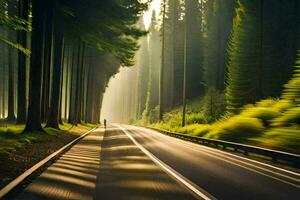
<point>108,25</point>
<point>219,17</point>
<point>244,57</point>
<point>13,23</point>
<point>292,88</point>
<point>214,104</point>
<point>266,115</point>
<point>196,118</point>
<point>290,117</point>
<point>194,129</point>
<point>11,137</point>
<point>237,129</point>
<point>271,123</point>
<point>282,138</point>
<point>15,45</point>
<point>259,59</point>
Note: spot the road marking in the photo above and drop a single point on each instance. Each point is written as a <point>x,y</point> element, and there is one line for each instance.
<point>191,186</point>
<point>220,151</point>
<point>209,152</point>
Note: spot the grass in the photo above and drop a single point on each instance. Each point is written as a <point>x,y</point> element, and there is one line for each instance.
<point>12,138</point>
<point>270,123</point>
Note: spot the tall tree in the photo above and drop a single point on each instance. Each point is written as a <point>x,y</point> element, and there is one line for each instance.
<point>34,105</point>
<point>256,58</point>
<point>53,118</point>
<point>12,11</point>
<point>22,64</point>
<point>218,17</point>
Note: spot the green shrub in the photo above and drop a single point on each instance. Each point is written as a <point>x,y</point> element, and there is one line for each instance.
<point>291,116</point>
<point>194,129</point>
<point>266,103</point>
<point>214,104</point>
<point>196,118</point>
<point>266,114</point>
<point>284,139</point>
<point>237,129</point>
<point>283,105</point>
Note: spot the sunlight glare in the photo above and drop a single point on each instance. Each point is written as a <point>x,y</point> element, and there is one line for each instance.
<point>155,5</point>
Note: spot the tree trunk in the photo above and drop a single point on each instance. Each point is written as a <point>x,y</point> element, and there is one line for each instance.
<point>53,117</point>
<point>60,121</point>
<point>22,38</point>
<point>90,95</point>
<point>11,95</point>
<point>72,86</point>
<point>78,85</point>
<point>48,42</point>
<point>34,104</point>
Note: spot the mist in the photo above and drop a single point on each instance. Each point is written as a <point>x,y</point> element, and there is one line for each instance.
<point>133,92</point>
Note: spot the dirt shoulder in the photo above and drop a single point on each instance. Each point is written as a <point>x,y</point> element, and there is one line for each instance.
<point>18,161</point>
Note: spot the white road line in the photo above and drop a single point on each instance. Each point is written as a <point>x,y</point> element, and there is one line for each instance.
<point>171,171</point>
<point>209,152</point>
<point>219,151</point>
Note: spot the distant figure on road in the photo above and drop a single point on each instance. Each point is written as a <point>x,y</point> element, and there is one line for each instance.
<point>104,123</point>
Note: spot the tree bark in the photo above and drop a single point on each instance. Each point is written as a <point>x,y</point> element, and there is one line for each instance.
<point>78,85</point>
<point>22,38</point>
<point>11,95</point>
<point>34,104</point>
<point>48,42</point>
<point>53,117</point>
<point>72,86</point>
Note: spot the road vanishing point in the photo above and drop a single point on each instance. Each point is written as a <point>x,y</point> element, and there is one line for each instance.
<point>128,162</point>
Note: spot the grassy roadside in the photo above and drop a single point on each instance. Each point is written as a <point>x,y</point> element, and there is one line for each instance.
<point>19,152</point>
<point>270,123</point>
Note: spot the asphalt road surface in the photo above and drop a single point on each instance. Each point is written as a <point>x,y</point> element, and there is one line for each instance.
<point>127,162</point>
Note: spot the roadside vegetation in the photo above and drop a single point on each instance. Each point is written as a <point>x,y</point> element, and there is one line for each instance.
<point>270,123</point>
<point>20,151</point>
<point>12,137</point>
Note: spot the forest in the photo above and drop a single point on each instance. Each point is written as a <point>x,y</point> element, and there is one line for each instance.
<point>223,70</point>
<point>56,58</point>
<point>219,69</point>
<point>87,88</point>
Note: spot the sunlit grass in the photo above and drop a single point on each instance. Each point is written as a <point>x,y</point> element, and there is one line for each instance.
<point>13,138</point>
<point>290,117</point>
<point>236,129</point>
<point>271,123</point>
<point>284,138</point>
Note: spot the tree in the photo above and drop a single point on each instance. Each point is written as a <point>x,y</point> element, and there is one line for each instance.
<point>53,118</point>
<point>218,17</point>
<point>255,51</point>
<point>11,66</point>
<point>34,115</point>
<point>22,64</point>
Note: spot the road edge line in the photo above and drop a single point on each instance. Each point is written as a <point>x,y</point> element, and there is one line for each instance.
<point>227,153</point>
<point>14,183</point>
<point>187,183</point>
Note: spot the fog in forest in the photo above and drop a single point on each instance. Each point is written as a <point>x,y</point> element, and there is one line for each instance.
<point>126,96</point>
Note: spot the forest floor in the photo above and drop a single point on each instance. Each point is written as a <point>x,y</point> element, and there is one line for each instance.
<point>19,152</point>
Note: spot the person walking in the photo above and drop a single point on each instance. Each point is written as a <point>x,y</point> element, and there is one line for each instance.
<point>105,123</point>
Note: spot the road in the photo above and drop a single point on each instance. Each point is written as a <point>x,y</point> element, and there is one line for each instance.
<point>127,162</point>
